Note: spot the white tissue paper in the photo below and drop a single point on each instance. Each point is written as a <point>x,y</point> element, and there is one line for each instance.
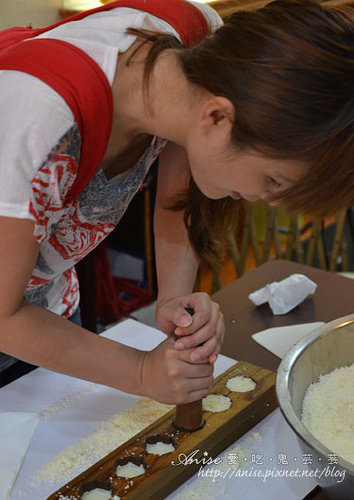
<point>284,295</point>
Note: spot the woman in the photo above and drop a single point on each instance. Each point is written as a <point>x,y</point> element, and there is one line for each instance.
<point>260,110</point>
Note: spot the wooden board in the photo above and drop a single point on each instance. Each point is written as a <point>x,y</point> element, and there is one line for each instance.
<point>161,477</point>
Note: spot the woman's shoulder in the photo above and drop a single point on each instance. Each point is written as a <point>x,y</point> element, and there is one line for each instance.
<point>212,17</point>
<point>36,119</point>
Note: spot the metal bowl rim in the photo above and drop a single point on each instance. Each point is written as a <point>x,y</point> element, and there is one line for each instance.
<point>282,383</point>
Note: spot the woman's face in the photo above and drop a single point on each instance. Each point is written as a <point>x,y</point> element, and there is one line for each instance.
<point>223,171</point>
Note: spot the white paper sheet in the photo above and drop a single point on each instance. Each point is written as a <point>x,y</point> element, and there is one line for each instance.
<point>279,340</point>
<point>16,432</point>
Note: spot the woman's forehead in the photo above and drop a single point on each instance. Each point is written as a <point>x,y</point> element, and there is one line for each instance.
<point>288,169</point>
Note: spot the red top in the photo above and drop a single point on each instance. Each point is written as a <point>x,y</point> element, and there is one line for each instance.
<point>65,68</point>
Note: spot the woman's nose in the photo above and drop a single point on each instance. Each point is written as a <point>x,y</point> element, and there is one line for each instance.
<point>266,196</point>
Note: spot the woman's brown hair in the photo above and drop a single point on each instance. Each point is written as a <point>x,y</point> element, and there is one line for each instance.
<point>288,68</point>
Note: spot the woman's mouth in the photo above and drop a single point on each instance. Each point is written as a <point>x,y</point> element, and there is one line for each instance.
<point>236,196</point>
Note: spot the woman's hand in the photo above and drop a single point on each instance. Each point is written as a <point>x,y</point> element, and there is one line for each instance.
<point>169,377</point>
<point>201,334</point>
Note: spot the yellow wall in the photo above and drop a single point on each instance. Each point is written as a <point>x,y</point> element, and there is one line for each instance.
<point>23,12</point>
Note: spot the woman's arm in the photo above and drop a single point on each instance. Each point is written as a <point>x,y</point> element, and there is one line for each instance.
<point>177,267</point>
<point>43,338</point>
<point>173,251</point>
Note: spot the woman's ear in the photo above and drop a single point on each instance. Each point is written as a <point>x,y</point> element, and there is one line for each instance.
<point>217,111</point>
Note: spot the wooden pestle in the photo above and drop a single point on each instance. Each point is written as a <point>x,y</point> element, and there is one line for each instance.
<point>189,416</point>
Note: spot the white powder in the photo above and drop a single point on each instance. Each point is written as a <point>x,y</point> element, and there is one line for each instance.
<point>328,411</point>
<point>130,470</point>
<point>216,403</point>
<point>66,401</point>
<point>241,384</point>
<point>160,448</point>
<point>97,494</point>
<point>107,437</point>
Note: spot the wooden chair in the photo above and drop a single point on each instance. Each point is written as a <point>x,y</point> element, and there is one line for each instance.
<point>273,234</point>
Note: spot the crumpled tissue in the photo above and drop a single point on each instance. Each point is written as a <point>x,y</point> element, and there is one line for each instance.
<point>285,295</point>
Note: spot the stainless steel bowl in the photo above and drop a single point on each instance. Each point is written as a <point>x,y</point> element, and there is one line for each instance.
<point>328,347</point>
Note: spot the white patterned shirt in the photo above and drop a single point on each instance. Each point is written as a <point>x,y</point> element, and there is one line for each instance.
<point>39,157</point>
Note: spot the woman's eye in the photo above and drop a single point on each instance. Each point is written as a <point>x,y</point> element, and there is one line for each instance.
<point>274,182</point>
